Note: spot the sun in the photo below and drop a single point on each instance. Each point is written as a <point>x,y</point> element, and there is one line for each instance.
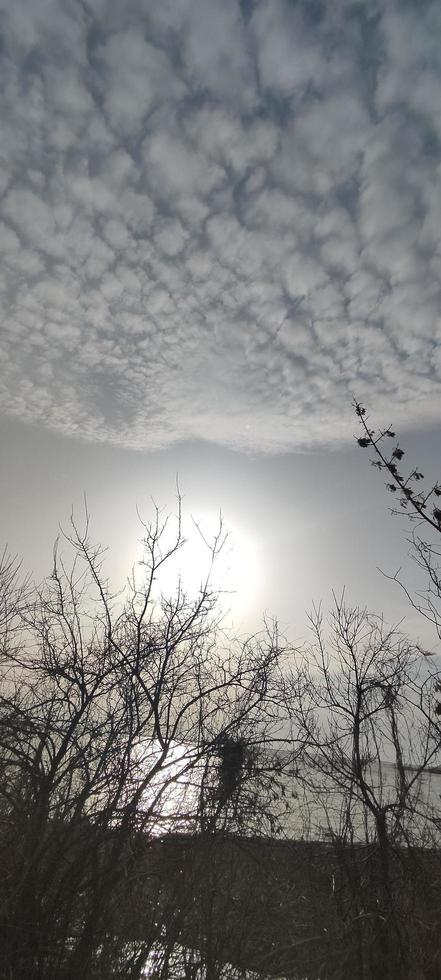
<point>234,573</point>
<point>235,566</point>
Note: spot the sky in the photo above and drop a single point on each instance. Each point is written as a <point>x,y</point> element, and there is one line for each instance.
<point>219,221</point>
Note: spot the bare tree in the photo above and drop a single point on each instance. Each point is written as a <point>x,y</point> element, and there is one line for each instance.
<point>110,707</point>
<point>367,705</point>
<point>420,504</point>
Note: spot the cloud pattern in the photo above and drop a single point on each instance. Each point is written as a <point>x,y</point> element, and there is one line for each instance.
<point>218,220</point>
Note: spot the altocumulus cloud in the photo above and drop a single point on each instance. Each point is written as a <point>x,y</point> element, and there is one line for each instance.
<point>218,219</point>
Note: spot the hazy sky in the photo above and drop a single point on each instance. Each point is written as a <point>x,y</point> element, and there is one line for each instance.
<point>219,220</point>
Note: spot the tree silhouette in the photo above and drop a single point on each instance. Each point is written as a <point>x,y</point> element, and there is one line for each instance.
<point>421,505</point>
<point>110,707</point>
<point>417,502</point>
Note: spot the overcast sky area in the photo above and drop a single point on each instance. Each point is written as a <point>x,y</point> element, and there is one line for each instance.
<point>220,220</point>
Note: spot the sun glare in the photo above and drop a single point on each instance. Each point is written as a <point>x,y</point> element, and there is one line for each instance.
<point>171,794</point>
<point>235,571</point>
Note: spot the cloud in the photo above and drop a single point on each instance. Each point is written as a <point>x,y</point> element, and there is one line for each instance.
<point>288,58</point>
<point>136,78</point>
<point>218,221</point>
